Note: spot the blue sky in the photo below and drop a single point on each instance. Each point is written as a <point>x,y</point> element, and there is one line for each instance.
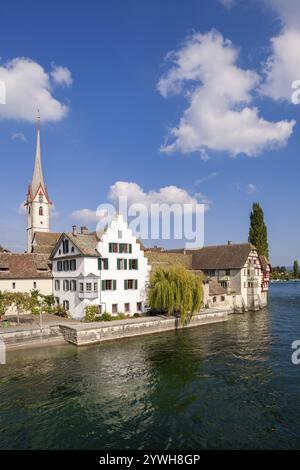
<point>109,100</point>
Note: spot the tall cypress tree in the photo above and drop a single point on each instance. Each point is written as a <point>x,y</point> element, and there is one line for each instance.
<point>258,234</point>
<point>296,269</point>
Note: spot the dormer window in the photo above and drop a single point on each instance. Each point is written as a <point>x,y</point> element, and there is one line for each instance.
<point>41,212</point>
<point>66,246</point>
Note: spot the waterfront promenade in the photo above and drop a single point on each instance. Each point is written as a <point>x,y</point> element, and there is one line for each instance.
<point>57,330</point>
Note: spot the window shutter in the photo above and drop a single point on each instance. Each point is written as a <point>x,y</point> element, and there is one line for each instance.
<point>118,263</point>
<point>136,264</point>
<point>130,264</point>
<point>125,263</point>
<point>125,284</point>
<point>130,248</point>
<point>103,285</point>
<point>106,263</point>
<point>110,247</point>
<point>114,284</point>
<point>99,264</point>
<point>135,284</point>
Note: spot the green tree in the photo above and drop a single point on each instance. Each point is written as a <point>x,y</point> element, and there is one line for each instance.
<point>258,234</point>
<point>296,269</point>
<point>175,290</point>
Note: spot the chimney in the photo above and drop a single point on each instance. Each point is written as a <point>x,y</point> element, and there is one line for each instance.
<point>229,242</point>
<point>84,230</point>
<point>74,230</point>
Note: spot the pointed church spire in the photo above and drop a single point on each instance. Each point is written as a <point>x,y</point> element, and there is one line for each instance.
<point>37,179</point>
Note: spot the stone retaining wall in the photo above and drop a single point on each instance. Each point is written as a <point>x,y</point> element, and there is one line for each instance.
<point>30,334</point>
<point>84,334</point>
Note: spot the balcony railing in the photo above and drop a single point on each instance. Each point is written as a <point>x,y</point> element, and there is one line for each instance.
<point>88,294</point>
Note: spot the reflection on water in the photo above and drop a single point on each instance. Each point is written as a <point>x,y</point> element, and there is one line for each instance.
<point>228,385</point>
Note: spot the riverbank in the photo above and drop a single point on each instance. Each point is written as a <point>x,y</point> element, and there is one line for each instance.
<point>58,331</point>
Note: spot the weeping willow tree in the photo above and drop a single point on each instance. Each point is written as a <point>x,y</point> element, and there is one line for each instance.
<point>175,290</point>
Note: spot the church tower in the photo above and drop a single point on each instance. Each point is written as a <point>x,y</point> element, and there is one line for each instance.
<point>37,202</point>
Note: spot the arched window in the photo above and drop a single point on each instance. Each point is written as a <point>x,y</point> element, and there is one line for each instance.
<point>41,211</point>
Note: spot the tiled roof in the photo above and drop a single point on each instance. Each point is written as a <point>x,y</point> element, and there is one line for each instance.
<point>85,242</point>
<point>163,258</point>
<point>24,266</point>
<point>44,242</point>
<point>264,262</point>
<point>222,256</point>
<point>228,256</point>
<point>215,288</point>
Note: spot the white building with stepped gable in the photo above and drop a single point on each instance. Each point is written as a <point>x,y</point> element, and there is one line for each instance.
<point>108,270</point>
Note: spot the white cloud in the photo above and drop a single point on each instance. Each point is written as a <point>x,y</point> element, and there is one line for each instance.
<point>85,216</point>
<point>204,155</point>
<point>19,136</point>
<point>227,3</point>
<point>219,93</point>
<point>252,188</point>
<point>28,88</point>
<point>135,194</point>
<point>282,67</point>
<point>22,208</point>
<point>249,188</point>
<point>139,201</point>
<point>61,75</point>
<point>288,11</point>
<point>206,178</point>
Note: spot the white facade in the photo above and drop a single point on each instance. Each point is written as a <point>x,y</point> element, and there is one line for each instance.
<point>115,280</point>
<point>26,285</point>
<point>38,216</point>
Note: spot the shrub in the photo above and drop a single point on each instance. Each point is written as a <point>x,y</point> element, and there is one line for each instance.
<point>60,311</point>
<point>35,310</point>
<point>121,316</point>
<point>106,317</point>
<point>91,312</point>
<point>49,309</point>
<point>136,315</point>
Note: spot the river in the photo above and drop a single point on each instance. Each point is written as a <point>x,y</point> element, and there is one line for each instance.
<point>225,386</point>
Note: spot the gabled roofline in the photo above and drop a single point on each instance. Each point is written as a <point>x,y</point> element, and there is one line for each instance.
<point>63,235</point>
<point>66,235</point>
<point>45,192</point>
